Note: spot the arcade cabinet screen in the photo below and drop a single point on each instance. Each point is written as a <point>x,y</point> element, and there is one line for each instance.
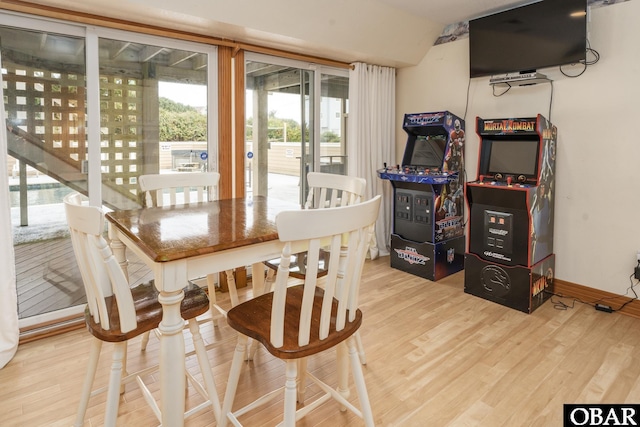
<point>428,151</point>
<point>513,157</point>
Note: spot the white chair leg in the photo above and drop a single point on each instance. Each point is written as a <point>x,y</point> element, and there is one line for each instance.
<point>361,388</point>
<point>211,286</point>
<point>302,379</point>
<point>342,364</point>
<point>124,366</point>
<point>94,356</point>
<point>361,354</point>
<point>290,389</point>
<point>231,284</point>
<point>234,377</point>
<point>113,392</point>
<point>233,296</point>
<point>268,281</point>
<point>145,341</point>
<point>205,368</point>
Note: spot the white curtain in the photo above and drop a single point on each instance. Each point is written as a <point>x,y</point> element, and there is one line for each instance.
<point>371,136</point>
<point>9,331</point>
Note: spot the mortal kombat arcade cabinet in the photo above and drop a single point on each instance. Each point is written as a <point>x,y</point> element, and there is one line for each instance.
<point>510,257</point>
<point>427,237</point>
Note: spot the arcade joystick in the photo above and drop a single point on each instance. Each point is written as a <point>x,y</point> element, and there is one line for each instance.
<point>509,179</point>
<point>481,179</point>
<point>385,166</point>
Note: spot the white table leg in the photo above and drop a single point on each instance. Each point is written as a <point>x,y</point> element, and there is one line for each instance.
<point>172,375</point>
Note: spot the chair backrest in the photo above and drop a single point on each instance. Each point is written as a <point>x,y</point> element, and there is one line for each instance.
<point>328,190</point>
<point>345,230</point>
<point>164,189</point>
<point>101,274</point>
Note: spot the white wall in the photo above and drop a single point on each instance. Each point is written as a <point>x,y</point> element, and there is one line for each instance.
<point>597,219</point>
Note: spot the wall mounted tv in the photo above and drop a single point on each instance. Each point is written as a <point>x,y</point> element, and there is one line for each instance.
<point>543,34</point>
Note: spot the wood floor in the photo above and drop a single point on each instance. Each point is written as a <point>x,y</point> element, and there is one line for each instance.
<point>435,357</point>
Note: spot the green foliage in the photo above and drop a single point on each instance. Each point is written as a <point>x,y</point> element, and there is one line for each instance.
<point>329,136</point>
<point>168,105</point>
<point>276,129</point>
<point>179,122</point>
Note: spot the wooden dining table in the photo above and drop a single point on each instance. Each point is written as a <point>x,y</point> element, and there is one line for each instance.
<point>184,242</point>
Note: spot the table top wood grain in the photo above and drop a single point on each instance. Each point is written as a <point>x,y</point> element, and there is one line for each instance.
<point>178,232</point>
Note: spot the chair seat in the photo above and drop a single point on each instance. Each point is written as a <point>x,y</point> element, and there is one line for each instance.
<point>298,266</point>
<point>253,319</point>
<point>148,311</point>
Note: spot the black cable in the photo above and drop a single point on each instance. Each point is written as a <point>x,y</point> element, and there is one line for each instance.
<point>466,105</point>
<point>559,305</point>
<point>634,293</point>
<point>503,92</point>
<point>574,75</point>
<point>585,62</point>
<point>630,288</point>
<point>594,52</point>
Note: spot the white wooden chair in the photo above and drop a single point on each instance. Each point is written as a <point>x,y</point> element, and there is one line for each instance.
<point>326,190</point>
<point>296,322</point>
<point>184,188</point>
<point>178,188</point>
<point>117,313</point>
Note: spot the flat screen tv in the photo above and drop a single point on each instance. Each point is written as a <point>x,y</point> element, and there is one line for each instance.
<point>513,157</point>
<point>543,34</point>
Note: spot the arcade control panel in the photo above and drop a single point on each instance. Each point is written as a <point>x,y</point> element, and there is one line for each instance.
<point>416,174</point>
<point>520,181</point>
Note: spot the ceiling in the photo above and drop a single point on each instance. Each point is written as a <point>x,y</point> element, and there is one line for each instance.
<point>453,11</point>
<point>394,33</point>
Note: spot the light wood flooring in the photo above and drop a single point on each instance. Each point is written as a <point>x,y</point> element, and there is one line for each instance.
<point>435,357</point>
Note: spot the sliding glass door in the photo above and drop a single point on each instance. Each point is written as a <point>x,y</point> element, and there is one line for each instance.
<point>153,112</point>
<point>296,123</point>
<point>89,110</point>
<point>45,102</point>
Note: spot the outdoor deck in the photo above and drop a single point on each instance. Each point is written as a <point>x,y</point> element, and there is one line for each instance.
<point>48,278</point>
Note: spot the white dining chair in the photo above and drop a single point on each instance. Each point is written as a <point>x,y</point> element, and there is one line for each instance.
<point>297,322</point>
<point>173,189</point>
<point>117,313</point>
<point>326,190</point>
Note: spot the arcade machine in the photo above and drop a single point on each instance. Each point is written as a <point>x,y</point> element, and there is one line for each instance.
<point>427,237</point>
<point>510,257</point>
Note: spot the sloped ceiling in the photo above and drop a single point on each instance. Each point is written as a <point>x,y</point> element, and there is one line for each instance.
<point>385,32</point>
